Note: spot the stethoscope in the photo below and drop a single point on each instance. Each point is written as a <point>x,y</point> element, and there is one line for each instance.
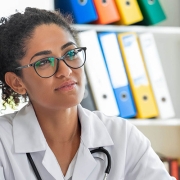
<point>100,149</point>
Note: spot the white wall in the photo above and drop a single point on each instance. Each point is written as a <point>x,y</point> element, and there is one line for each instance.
<point>172,11</point>
<point>8,7</point>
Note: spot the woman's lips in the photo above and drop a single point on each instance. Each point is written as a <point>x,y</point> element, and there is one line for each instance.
<point>67,86</point>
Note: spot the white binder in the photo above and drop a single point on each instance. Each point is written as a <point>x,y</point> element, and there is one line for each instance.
<point>156,75</point>
<point>97,74</point>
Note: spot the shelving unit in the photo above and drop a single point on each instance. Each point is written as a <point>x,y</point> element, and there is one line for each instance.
<point>168,44</point>
<point>163,134</point>
<point>138,29</point>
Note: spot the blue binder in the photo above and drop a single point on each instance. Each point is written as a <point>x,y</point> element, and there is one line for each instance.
<point>82,11</point>
<point>116,70</point>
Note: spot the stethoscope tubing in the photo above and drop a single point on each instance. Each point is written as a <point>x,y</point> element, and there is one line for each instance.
<point>100,149</point>
<point>33,166</point>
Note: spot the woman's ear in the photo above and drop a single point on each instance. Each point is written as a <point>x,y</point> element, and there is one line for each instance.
<point>15,82</point>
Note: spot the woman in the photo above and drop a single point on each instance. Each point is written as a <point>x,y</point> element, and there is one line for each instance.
<point>40,58</point>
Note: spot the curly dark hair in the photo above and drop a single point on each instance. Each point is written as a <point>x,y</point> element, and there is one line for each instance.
<point>15,31</point>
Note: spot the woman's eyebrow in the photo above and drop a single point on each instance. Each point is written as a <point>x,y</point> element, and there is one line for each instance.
<point>67,44</point>
<point>46,52</point>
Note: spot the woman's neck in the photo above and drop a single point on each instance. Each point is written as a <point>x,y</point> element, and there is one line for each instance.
<point>62,132</point>
<point>60,125</point>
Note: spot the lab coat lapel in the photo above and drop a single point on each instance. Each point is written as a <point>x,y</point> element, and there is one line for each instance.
<point>94,134</point>
<point>28,136</point>
<point>51,165</point>
<point>85,164</point>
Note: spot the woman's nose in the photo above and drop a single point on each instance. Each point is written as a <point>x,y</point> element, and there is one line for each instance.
<point>63,70</point>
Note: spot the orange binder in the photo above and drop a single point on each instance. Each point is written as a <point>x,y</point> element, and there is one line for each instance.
<point>107,11</point>
<point>129,12</point>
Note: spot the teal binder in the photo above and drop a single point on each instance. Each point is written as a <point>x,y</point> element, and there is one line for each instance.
<point>152,11</point>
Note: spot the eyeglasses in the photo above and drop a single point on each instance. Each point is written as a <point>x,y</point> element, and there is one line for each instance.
<point>47,67</point>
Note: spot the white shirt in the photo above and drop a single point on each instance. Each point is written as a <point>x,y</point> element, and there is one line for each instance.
<point>131,153</point>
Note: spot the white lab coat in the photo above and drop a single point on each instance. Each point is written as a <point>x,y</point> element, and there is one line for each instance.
<point>131,153</point>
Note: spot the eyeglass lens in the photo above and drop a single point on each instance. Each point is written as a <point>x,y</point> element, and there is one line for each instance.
<point>46,67</point>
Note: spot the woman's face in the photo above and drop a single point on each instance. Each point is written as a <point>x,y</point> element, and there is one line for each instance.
<point>65,88</point>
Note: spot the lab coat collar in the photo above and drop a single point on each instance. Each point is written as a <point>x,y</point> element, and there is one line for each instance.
<point>28,136</point>
<point>94,133</point>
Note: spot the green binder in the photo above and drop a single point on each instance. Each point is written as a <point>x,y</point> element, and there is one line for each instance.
<point>152,12</point>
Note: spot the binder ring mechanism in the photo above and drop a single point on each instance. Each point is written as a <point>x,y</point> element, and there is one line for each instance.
<point>104,96</point>
<point>104,2</point>
<point>128,3</point>
<point>163,99</point>
<point>124,96</point>
<point>151,2</point>
<point>145,98</point>
<point>82,2</point>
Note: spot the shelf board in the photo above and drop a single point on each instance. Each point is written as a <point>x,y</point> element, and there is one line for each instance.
<point>119,28</point>
<point>155,122</point>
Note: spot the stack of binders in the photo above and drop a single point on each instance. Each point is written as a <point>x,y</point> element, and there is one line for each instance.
<point>120,12</point>
<point>125,75</point>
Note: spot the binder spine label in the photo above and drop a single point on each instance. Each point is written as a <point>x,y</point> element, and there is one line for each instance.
<point>135,62</point>
<point>115,67</point>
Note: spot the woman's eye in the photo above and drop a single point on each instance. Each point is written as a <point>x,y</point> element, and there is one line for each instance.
<point>71,55</point>
<point>47,61</point>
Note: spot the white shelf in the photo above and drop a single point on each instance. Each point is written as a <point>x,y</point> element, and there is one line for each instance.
<point>155,122</point>
<point>138,29</point>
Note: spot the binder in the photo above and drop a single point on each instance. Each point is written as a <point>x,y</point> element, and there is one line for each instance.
<point>107,11</point>
<point>174,168</point>
<point>88,101</point>
<point>129,11</point>
<point>141,89</point>
<point>152,11</point>
<point>83,11</point>
<point>116,70</point>
<point>156,75</point>
<point>97,74</point>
